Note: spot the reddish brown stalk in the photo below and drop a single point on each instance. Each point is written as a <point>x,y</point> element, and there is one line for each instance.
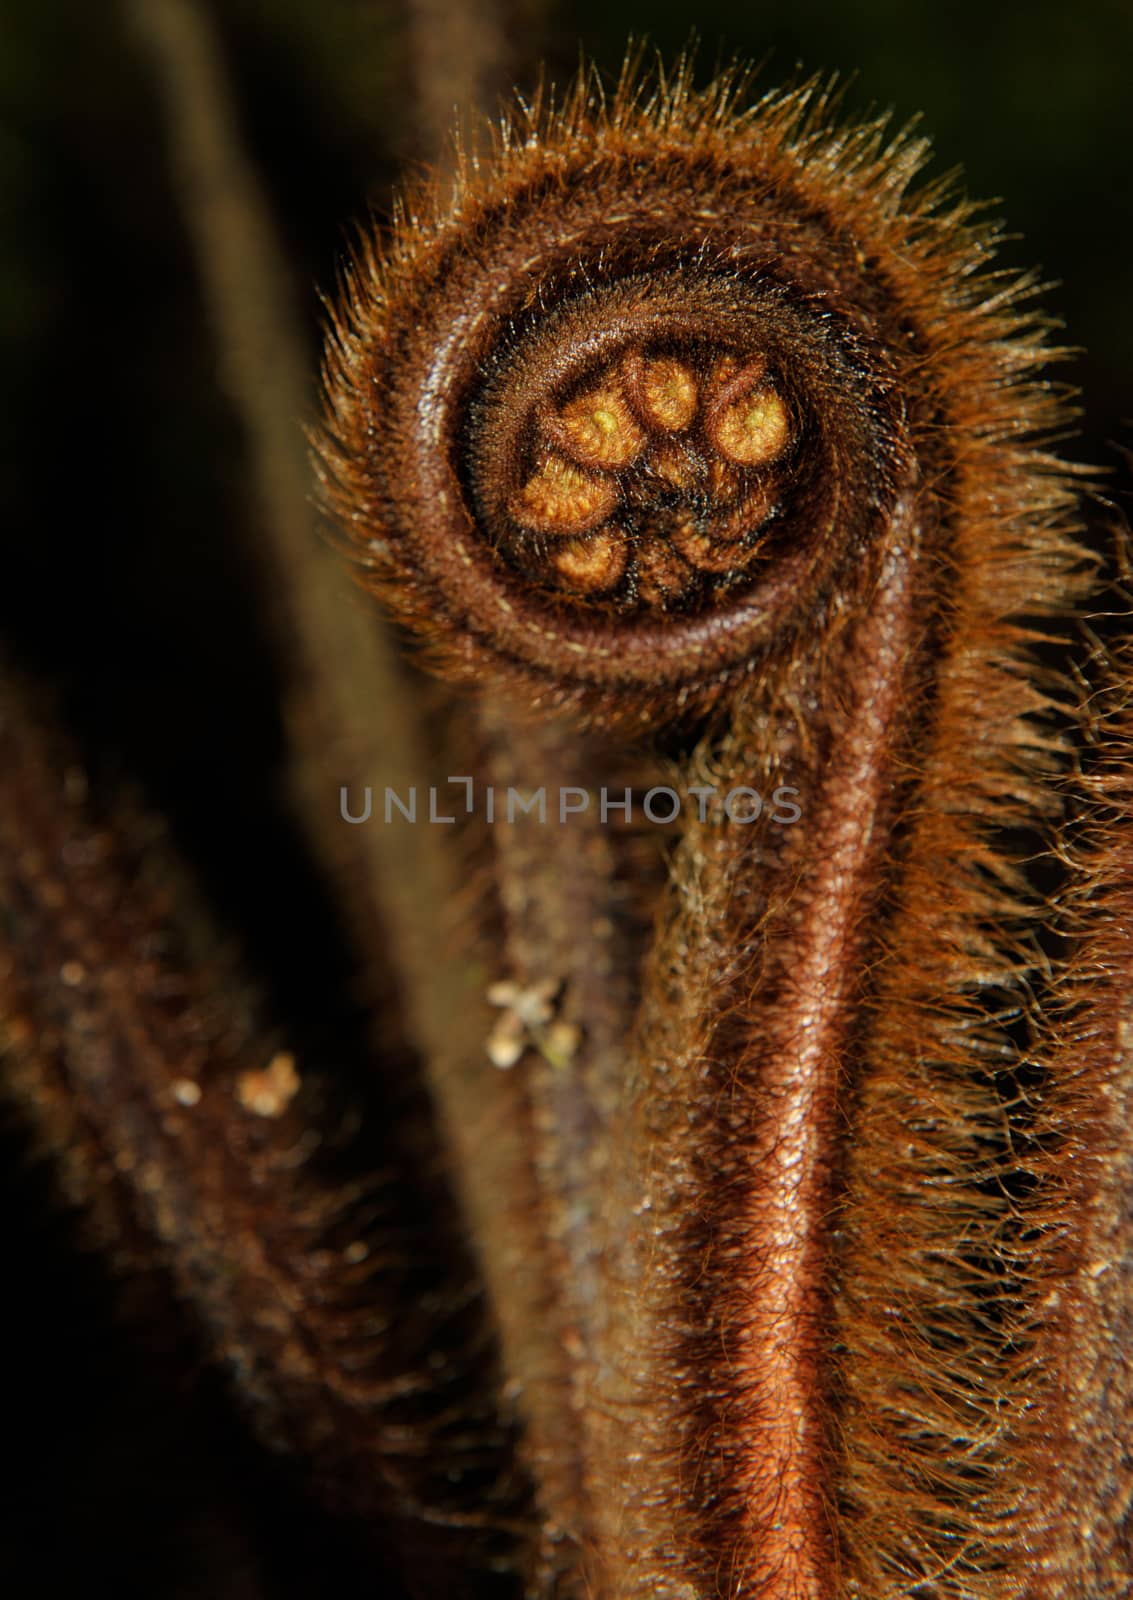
<point>797,1054</point>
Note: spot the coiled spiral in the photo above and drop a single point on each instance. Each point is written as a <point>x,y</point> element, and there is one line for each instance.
<point>632,404</point>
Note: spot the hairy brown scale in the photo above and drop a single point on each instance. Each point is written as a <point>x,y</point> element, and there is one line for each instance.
<point>671,411</point>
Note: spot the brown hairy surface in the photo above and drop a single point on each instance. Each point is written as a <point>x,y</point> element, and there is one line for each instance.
<point>829,1230</point>
<point>727,1207</point>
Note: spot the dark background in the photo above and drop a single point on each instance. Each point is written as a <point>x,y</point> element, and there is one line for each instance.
<point>127,518</point>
